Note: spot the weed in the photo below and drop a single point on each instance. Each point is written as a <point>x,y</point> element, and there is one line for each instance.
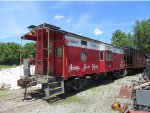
<point>3,95</point>
<point>7,66</point>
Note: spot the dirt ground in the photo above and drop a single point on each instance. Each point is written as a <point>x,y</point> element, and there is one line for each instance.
<point>97,98</point>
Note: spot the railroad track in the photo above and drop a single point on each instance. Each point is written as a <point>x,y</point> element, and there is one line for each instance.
<point>11,99</point>
<point>16,104</point>
<point>25,105</point>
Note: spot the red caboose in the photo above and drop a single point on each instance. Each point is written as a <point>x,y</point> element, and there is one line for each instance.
<point>62,56</point>
<point>111,60</point>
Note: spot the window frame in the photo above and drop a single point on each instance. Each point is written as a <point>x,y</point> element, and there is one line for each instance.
<point>82,54</point>
<point>110,57</point>
<point>61,51</point>
<point>84,43</point>
<point>100,55</point>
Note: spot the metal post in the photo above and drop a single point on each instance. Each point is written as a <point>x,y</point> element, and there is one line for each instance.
<point>62,85</point>
<point>46,89</point>
<point>20,58</point>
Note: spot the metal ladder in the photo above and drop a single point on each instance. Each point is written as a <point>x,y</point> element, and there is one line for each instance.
<point>53,88</point>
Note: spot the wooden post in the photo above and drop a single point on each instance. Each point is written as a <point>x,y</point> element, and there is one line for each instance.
<point>48,49</point>
<point>63,61</point>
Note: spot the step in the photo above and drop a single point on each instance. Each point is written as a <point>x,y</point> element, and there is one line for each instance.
<point>52,83</point>
<point>55,88</point>
<point>56,94</point>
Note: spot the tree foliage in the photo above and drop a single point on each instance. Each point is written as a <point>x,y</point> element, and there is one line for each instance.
<point>28,50</point>
<point>119,38</point>
<point>10,52</point>
<point>130,40</point>
<point>142,35</point>
<point>140,39</point>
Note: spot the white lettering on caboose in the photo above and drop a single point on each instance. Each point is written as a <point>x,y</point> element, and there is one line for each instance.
<point>76,42</point>
<point>104,47</point>
<point>94,66</point>
<point>73,68</point>
<point>86,67</point>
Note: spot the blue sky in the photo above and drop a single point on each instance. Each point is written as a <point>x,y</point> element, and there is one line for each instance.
<point>97,20</point>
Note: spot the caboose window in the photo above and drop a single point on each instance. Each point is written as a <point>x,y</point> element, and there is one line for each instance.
<point>83,42</point>
<point>83,56</point>
<point>101,55</point>
<point>58,52</point>
<point>109,56</point>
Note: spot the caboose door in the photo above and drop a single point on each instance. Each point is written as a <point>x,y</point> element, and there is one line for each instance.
<point>58,60</point>
<point>84,65</point>
<point>58,54</point>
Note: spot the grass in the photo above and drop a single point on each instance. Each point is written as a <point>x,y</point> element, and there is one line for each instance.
<point>74,99</point>
<point>93,90</point>
<point>7,66</point>
<point>4,94</point>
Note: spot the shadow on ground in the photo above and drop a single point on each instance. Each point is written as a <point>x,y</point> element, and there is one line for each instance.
<point>38,94</point>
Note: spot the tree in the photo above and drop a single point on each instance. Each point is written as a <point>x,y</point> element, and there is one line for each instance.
<point>119,38</point>
<point>142,35</point>
<point>28,50</point>
<point>9,53</point>
<point>2,54</point>
<point>130,40</point>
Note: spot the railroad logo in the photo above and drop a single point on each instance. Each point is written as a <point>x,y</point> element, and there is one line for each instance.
<point>73,41</point>
<point>93,44</point>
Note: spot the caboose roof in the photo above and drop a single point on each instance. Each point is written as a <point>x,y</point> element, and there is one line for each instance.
<point>58,29</point>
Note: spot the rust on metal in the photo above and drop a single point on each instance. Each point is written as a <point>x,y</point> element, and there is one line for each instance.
<point>141,85</point>
<point>125,92</point>
<point>23,82</point>
<point>124,109</point>
<point>131,111</point>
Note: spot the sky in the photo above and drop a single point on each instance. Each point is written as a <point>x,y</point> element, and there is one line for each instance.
<point>93,19</point>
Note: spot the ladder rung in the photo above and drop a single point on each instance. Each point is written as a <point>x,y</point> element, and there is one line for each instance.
<point>45,48</point>
<point>55,94</point>
<point>45,58</point>
<point>55,88</point>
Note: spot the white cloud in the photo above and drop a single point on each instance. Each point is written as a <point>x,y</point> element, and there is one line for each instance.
<point>97,31</point>
<point>69,20</point>
<point>80,34</point>
<point>58,17</point>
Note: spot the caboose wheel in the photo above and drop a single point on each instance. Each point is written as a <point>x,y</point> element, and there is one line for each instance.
<point>77,84</point>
